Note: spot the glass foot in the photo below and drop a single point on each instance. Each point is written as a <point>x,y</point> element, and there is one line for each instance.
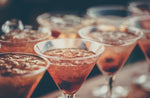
<point>143,80</point>
<point>117,91</point>
<point>61,96</point>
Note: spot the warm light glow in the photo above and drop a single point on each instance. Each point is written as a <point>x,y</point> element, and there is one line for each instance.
<point>3,2</point>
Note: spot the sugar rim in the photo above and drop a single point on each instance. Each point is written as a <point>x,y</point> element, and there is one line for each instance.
<point>36,48</point>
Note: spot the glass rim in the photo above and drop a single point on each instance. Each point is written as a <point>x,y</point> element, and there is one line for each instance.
<point>67,58</point>
<point>92,9</point>
<point>108,43</point>
<point>132,7</point>
<point>134,3</point>
<point>138,18</point>
<point>39,39</point>
<point>35,72</point>
<point>46,17</point>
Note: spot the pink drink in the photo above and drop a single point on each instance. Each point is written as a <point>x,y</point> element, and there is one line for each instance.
<point>71,72</point>
<point>145,46</point>
<point>20,74</point>
<point>21,40</point>
<point>144,43</point>
<point>117,49</point>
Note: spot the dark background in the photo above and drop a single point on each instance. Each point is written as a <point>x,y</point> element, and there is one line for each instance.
<point>28,10</point>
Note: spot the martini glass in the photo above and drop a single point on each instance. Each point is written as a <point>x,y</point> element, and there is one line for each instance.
<point>114,14</point>
<point>71,60</point>
<point>20,73</point>
<point>143,23</point>
<point>139,7</point>
<point>16,37</point>
<point>111,11</point>
<point>118,46</point>
<point>61,24</point>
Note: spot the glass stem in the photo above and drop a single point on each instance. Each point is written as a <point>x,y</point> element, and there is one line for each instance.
<point>110,86</point>
<point>69,95</point>
<point>148,63</point>
<point>148,66</point>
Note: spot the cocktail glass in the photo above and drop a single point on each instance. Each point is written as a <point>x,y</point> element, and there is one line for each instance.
<point>118,46</point>
<point>20,73</point>
<point>62,25</point>
<point>15,37</point>
<point>71,60</point>
<point>138,7</point>
<point>107,11</point>
<point>143,23</point>
<point>115,14</point>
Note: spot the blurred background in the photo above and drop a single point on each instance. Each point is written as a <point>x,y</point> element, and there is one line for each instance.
<point>28,10</point>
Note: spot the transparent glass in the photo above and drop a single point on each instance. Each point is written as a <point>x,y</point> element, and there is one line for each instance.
<point>61,24</point>
<point>138,7</point>
<point>107,11</point>
<point>20,74</point>
<point>15,37</point>
<point>116,42</point>
<point>143,23</point>
<point>115,14</point>
<point>70,64</point>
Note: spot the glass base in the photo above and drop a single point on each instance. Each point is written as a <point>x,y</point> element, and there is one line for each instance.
<point>117,91</point>
<point>63,96</point>
<point>143,80</point>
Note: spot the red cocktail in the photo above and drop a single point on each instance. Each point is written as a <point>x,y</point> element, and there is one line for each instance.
<point>118,46</point>
<point>70,83</point>
<point>143,23</point>
<point>21,40</point>
<point>71,60</point>
<point>61,25</point>
<point>20,73</point>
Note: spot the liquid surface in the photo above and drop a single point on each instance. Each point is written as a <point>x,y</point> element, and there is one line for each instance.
<point>24,35</point>
<point>69,53</point>
<point>20,64</point>
<point>111,37</point>
<point>70,73</point>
